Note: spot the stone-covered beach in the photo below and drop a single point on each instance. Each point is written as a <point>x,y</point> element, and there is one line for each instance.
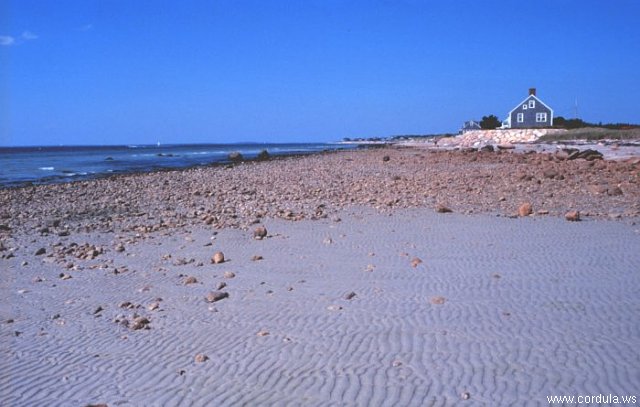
<point>385,276</point>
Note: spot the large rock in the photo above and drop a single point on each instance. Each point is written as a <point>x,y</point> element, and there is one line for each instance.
<point>235,157</point>
<point>587,154</point>
<point>263,155</point>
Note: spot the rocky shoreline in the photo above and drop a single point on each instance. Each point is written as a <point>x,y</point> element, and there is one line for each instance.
<point>316,186</point>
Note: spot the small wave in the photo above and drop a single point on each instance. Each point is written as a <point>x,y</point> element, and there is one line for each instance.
<point>46,168</point>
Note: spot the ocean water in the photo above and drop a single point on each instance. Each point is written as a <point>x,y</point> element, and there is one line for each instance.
<point>45,165</point>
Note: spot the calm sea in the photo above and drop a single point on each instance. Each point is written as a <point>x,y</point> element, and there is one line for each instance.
<point>45,165</point>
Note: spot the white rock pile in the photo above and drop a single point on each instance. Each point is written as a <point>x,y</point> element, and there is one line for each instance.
<point>480,138</point>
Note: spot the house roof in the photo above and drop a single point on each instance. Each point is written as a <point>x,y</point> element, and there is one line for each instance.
<point>527,98</point>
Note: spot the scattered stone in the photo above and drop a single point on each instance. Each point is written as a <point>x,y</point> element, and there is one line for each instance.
<point>98,310</point>
<point>506,146</point>
<point>215,296</point>
<point>487,148</point>
<point>217,258</point>
<point>190,280</point>
<point>386,158</point>
<point>572,216</point>
<point>263,333</point>
<point>465,396</point>
<point>349,295</point>
<point>334,308</point>
<point>438,300</point>
<point>126,304</point>
<point>201,358</point>
<point>614,191</point>
<point>120,248</point>
<point>443,209</point>
<point>229,274</point>
<point>64,276</point>
<point>415,262</point>
<point>256,258</point>
<point>525,209</point>
<point>221,285</point>
<point>40,251</point>
<point>260,233</point>
<point>140,323</point>
<point>183,261</point>
<point>153,306</point>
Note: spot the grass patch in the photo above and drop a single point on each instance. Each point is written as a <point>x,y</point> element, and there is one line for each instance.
<point>592,134</point>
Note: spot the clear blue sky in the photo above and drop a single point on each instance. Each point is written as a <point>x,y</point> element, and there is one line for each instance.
<point>133,71</point>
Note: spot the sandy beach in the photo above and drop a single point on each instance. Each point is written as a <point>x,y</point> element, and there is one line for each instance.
<point>361,293</point>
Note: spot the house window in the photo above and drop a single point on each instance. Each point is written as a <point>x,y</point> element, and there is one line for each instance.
<point>541,117</point>
<point>532,104</point>
<point>520,118</point>
<point>524,107</point>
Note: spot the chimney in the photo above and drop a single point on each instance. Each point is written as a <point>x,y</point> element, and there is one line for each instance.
<point>532,91</point>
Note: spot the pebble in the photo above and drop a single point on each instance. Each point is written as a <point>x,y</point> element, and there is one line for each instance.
<point>572,216</point>
<point>217,258</point>
<point>215,296</point>
<point>525,209</point>
<point>140,323</point>
<point>614,191</point>
<point>438,300</point>
<point>415,262</point>
<point>443,209</point>
<point>221,285</point>
<point>40,251</point>
<point>349,295</point>
<point>260,233</point>
<point>257,258</point>
<point>200,358</point>
<point>334,307</point>
<point>190,280</point>
<point>263,333</point>
<point>229,274</point>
